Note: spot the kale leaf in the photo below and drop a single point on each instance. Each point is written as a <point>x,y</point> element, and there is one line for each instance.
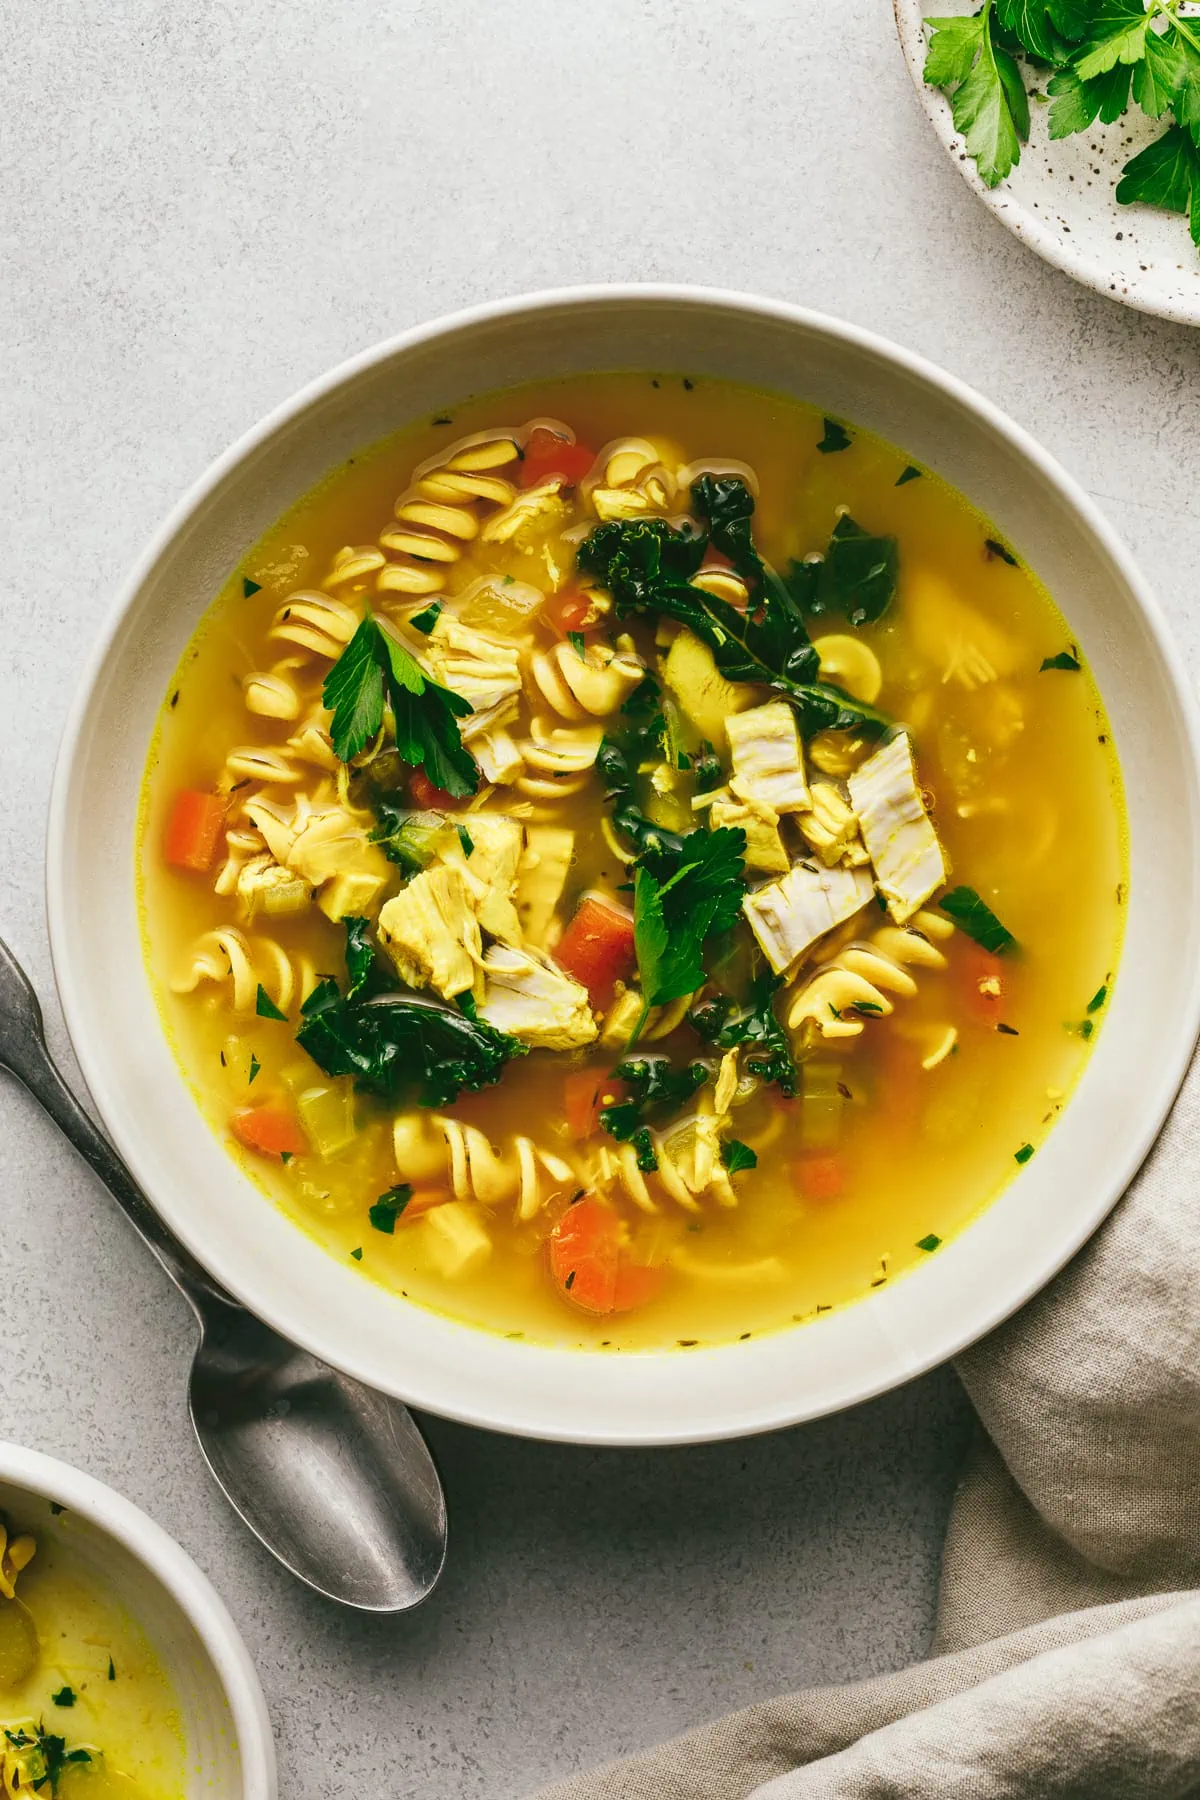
<point>398,1043</point>
<point>725,1024</point>
<point>646,565</point>
<point>655,1090</point>
<point>393,1041</point>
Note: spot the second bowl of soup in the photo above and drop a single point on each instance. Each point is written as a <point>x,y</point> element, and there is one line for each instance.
<point>640,862</point>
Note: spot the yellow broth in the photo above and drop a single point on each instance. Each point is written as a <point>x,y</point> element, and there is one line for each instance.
<point>96,1682</point>
<point>1025,789</point>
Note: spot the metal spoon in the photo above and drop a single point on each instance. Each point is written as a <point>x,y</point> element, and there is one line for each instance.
<point>332,1477</point>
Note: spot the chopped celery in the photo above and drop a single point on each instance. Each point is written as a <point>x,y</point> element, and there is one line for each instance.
<point>502,607</point>
<point>821,1104</point>
<point>412,839</point>
<point>240,1066</point>
<point>327,1115</point>
<point>454,1240</point>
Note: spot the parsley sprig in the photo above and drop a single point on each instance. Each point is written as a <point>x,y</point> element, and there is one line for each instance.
<point>1101,55</point>
<point>673,918</point>
<point>374,668</point>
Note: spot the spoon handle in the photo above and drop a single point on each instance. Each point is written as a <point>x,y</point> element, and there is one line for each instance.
<point>25,1053</point>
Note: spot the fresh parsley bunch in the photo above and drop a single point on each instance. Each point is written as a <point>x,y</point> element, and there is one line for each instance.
<point>1101,54</point>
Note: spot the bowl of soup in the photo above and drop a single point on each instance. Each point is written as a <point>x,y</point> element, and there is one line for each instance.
<point>122,1676</point>
<point>621,870</point>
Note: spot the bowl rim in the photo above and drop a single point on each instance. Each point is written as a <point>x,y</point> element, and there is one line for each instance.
<point>154,1548</point>
<point>415,1385</point>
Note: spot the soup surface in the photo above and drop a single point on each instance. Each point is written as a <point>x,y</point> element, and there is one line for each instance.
<point>651,882</point>
<point>86,1711</point>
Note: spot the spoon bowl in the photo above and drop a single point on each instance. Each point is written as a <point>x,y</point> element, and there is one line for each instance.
<point>331,1476</point>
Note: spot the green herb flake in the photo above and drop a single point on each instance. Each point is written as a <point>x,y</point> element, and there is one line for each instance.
<point>112,1673</point>
<point>56,1509</point>
<point>255,1070</point>
<point>911,473</point>
<point>388,1208</point>
<point>425,621</point>
<point>930,1243</point>
<point>1023,1154</point>
<point>357,1254</point>
<point>64,1697</point>
<point>578,643</point>
<point>1098,998</point>
<point>250,587</point>
<point>465,839</point>
<point>976,918</point>
<point>836,438</point>
<point>1065,659</point>
<point>285,1156</point>
<point>738,1156</point>
<point>265,1007</point>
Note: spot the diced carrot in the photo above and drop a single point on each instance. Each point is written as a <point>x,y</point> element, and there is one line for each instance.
<point>589,1267</point>
<point>820,1177</point>
<point>575,609</point>
<point>585,1249</point>
<point>548,454</point>
<point>426,795</point>
<point>586,1092</point>
<point>194,829</point>
<point>597,948</point>
<point>423,1200</point>
<point>271,1130</point>
<point>636,1286</point>
<point>985,985</point>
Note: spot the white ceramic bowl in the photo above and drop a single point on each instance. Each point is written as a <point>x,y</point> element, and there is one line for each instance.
<point>1052,1205</point>
<point>230,1749</point>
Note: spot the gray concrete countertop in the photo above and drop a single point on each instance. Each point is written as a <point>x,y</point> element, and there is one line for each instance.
<point>200,209</point>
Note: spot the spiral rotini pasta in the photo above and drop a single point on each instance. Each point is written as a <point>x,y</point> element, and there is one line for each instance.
<point>630,479</point>
<point>237,966</point>
<point>590,685</point>
<point>840,995</point>
<point>434,1147</point>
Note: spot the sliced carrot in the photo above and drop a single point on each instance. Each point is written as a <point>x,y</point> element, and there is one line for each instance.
<point>985,985</point>
<point>427,795</point>
<point>572,610</point>
<point>423,1200</point>
<point>271,1130</point>
<point>586,1093</point>
<point>636,1286</point>
<point>547,454</point>
<point>194,829</point>
<point>585,1250</point>
<point>820,1177</point>
<point>597,948</point>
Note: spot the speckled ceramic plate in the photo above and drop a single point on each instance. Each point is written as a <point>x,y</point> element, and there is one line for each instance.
<point>1060,199</point>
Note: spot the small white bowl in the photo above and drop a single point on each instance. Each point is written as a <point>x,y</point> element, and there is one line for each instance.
<point>1053,1204</point>
<point>1061,197</point>
<point>230,1749</point>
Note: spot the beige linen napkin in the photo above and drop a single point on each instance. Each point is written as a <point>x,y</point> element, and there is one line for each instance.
<point>1068,1646</point>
